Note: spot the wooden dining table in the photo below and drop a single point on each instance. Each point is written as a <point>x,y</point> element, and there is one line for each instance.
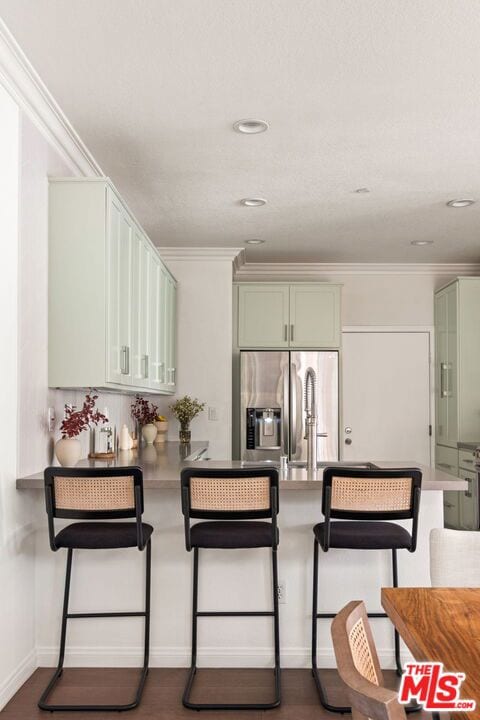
<point>441,625</point>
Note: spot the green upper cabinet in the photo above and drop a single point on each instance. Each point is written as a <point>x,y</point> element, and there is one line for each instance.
<point>263,315</point>
<point>457,368</point>
<point>314,316</point>
<point>300,315</point>
<point>120,292</point>
<point>111,298</point>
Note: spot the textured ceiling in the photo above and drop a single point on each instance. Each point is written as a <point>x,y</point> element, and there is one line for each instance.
<point>383,94</point>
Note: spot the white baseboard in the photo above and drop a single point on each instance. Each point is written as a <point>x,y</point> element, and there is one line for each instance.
<point>15,680</point>
<point>291,657</point>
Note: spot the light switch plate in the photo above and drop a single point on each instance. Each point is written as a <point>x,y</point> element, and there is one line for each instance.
<point>212,413</point>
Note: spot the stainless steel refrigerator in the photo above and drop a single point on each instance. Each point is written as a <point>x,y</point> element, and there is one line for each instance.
<point>272,404</point>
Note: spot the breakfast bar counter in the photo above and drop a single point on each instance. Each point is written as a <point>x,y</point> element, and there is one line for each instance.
<point>162,463</point>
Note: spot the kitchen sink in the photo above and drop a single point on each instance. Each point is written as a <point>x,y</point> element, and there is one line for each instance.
<point>301,464</point>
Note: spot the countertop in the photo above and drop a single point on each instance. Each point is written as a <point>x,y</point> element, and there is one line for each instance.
<point>162,463</point>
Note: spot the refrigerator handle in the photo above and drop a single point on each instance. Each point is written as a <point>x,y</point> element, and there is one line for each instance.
<point>293,424</point>
<point>286,413</point>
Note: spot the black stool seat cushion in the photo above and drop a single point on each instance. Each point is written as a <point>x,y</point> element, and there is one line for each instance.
<point>232,534</point>
<point>359,535</point>
<point>101,535</point>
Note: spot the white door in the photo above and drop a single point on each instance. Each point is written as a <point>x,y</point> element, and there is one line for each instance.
<point>386,397</point>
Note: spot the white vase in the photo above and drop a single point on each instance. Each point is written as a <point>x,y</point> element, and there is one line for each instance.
<point>162,429</point>
<point>149,433</point>
<point>68,451</point>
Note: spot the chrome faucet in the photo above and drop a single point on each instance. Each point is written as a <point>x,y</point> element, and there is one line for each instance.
<point>311,418</point>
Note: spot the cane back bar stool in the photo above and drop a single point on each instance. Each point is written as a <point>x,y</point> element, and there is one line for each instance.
<point>358,666</point>
<point>364,501</point>
<point>98,495</point>
<point>235,504</point>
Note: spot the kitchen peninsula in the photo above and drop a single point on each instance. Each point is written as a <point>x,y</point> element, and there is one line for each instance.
<point>244,577</point>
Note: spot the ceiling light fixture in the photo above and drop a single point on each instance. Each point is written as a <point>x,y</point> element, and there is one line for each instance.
<point>361,191</point>
<point>250,126</point>
<point>420,243</point>
<point>253,202</point>
<point>255,241</point>
<point>460,203</point>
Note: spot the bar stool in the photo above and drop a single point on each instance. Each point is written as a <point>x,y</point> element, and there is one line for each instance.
<point>236,501</point>
<point>369,499</point>
<point>97,494</point>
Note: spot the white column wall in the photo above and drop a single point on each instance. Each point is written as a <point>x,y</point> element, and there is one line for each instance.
<point>204,348</point>
<point>17,606</point>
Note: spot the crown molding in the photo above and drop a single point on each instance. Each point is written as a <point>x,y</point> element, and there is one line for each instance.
<point>304,271</point>
<point>25,86</point>
<point>209,254</point>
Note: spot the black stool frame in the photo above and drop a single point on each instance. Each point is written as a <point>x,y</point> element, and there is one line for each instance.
<point>188,513</point>
<point>330,513</point>
<point>50,474</point>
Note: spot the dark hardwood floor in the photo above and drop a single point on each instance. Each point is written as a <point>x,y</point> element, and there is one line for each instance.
<point>162,696</point>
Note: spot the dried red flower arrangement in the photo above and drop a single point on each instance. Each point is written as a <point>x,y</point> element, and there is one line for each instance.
<point>76,421</point>
<point>143,411</point>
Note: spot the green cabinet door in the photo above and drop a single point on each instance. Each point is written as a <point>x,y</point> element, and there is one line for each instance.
<point>446,366</point>
<point>170,333</point>
<point>263,316</point>
<point>141,309</point>
<point>314,316</point>
<point>452,369</point>
<point>119,243</point>
<point>441,367</point>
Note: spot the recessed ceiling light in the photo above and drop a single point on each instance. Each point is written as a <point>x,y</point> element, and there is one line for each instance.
<point>250,126</point>
<point>419,243</point>
<point>460,203</point>
<point>255,241</point>
<point>360,191</point>
<point>253,202</point>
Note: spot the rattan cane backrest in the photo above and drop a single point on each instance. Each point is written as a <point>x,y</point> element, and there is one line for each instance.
<point>362,652</point>
<point>217,494</point>
<point>94,493</point>
<point>371,494</point>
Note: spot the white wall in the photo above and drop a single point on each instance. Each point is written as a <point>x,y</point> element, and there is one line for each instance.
<point>205,348</point>
<point>17,608</point>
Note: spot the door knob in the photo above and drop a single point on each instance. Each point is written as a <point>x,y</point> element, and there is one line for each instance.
<point>348,430</point>
<point>348,441</point>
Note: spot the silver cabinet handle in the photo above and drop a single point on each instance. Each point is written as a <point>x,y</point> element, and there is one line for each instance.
<point>443,370</point>
<point>469,462</point>
<point>468,492</point>
<point>162,368</point>
<point>322,434</point>
<point>145,367</point>
<point>291,332</point>
<point>125,360</point>
<point>448,505</point>
<point>285,332</point>
<point>444,465</point>
<point>174,374</point>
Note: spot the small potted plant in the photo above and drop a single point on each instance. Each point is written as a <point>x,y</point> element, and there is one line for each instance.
<point>161,423</point>
<point>145,413</point>
<point>68,448</point>
<point>185,409</point>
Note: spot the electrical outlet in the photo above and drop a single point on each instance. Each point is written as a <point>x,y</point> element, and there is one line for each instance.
<point>282,592</point>
<point>212,413</point>
<point>51,419</point>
